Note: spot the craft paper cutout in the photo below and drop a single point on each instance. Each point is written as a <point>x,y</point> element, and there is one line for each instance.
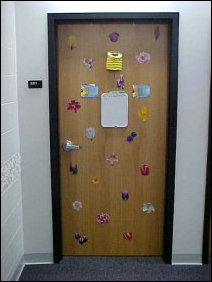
<point>77,236</point>
<point>103,218</point>
<point>148,208</point>
<point>77,205</point>
<point>89,90</point>
<point>125,194</point>
<point>127,236</point>
<point>73,168</point>
<point>120,82</point>
<point>157,32</point>
<point>114,60</point>
<point>144,169</point>
<point>131,136</point>
<point>88,63</point>
<point>114,109</point>
<point>141,90</point>
<point>143,113</point>
<point>114,36</point>
<point>72,42</point>
<point>90,133</point>
<point>112,158</point>
<point>73,105</point>
<point>143,58</point>
<point>81,238</point>
<point>95,180</point>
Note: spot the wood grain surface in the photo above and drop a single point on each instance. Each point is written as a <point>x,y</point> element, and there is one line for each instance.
<point>149,147</point>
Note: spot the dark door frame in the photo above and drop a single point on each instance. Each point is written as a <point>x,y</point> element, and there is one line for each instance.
<point>172,19</point>
<point>207,216</point>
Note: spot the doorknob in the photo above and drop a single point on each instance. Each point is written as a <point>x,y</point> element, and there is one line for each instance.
<point>68,146</point>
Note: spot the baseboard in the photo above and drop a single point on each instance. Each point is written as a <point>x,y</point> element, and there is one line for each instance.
<point>15,276</point>
<point>187,259</point>
<point>38,258</point>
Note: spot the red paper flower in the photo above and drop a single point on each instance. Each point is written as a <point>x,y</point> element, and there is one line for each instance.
<point>73,105</point>
<point>144,169</point>
<point>127,236</point>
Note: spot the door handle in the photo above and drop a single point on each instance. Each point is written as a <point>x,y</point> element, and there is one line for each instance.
<point>69,146</point>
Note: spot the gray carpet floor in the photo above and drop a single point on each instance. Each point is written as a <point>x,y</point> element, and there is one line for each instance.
<point>115,269</point>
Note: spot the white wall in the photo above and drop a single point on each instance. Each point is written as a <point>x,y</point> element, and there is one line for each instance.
<point>12,249</point>
<point>194,82</point>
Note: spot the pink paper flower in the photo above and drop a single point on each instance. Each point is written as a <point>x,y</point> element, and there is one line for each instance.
<point>73,105</point>
<point>112,158</point>
<point>77,205</point>
<point>103,218</point>
<point>143,58</point>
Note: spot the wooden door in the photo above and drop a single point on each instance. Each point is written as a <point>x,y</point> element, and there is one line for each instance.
<point>148,147</point>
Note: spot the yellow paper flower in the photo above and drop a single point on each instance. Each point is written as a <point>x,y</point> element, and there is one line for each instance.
<point>72,42</point>
<point>143,113</point>
<point>95,180</point>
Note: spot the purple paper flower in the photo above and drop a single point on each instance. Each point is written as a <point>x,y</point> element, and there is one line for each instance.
<point>125,194</point>
<point>157,32</point>
<point>120,82</point>
<point>114,36</point>
<point>73,168</point>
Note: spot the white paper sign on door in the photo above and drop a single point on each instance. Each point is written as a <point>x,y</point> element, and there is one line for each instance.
<point>114,109</point>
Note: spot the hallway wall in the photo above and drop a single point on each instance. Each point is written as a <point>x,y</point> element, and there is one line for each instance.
<point>194,88</point>
<point>12,248</point>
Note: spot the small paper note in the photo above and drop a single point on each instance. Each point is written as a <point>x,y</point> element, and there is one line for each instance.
<point>141,90</point>
<point>89,90</point>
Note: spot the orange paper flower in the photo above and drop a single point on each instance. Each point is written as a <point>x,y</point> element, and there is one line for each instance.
<point>95,180</point>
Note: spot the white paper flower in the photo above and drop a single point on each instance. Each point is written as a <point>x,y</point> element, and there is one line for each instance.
<point>77,205</point>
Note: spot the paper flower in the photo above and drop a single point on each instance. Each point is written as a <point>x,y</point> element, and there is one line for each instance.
<point>143,113</point>
<point>148,208</point>
<point>131,136</point>
<point>144,169</point>
<point>125,194</point>
<point>77,205</point>
<point>143,58</point>
<point>103,218</point>
<point>112,158</point>
<point>72,42</point>
<point>73,105</point>
<point>114,36</point>
<point>73,168</point>
<point>90,133</point>
<point>77,236</point>
<point>127,236</point>
<point>81,238</point>
<point>88,63</point>
<point>95,180</point>
<point>157,32</point>
<point>120,82</point>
